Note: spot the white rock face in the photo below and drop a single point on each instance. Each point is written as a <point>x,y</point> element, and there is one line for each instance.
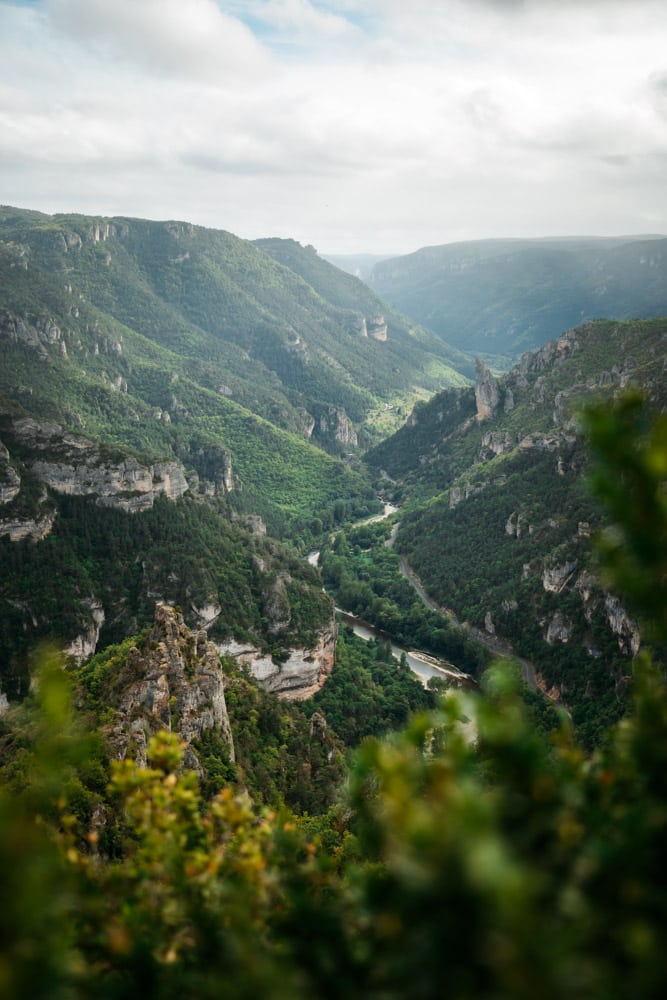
<point>301,675</point>
<point>35,529</point>
<point>559,629</point>
<point>622,625</point>
<point>174,682</point>
<point>85,644</point>
<point>74,465</point>
<point>487,393</point>
<point>554,578</point>
<point>496,443</point>
<point>207,613</point>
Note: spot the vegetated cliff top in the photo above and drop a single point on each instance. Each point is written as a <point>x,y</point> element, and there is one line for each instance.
<point>69,363</point>
<point>499,298</point>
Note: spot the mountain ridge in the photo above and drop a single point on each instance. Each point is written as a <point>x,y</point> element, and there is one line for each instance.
<point>501,297</point>
<point>498,517</point>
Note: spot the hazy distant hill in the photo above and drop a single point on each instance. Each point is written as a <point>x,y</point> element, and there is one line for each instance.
<point>500,517</point>
<point>499,298</point>
<point>359,264</point>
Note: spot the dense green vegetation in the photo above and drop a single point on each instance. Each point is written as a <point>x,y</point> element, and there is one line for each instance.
<point>240,323</point>
<point>370,693</point>
<point>499,298</point>
<point>363,575</point>
<point>184,553</point>
<point>497,513</point>
<point>515,867</point>
<point>468,561</point>
<point>160,410</point>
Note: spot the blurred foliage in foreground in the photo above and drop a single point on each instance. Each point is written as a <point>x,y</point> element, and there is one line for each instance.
<point>513,868</point>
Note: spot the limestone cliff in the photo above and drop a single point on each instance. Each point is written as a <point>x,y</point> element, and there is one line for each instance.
<point>336,426</point>
<point>377,328</point>
<point>299,675</point>
<point>487,394</point>
<point>75,465</point>
<point>173,680</point>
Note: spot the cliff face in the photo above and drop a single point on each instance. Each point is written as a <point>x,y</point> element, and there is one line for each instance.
<point>336,427</point>
<point>74,465</point>
<point>172,681</point>
<point>298,676</point>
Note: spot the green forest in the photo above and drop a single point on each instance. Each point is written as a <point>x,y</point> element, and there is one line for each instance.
<point>514,865</point>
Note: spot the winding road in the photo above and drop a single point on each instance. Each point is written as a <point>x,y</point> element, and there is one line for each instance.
<point>422,663</point>
<point>492,643</point>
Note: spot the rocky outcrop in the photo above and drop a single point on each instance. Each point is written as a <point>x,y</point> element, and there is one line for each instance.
<point>517,525</point>
<point>34,528</point>
<point>275,603</point>
<point>298,350</point>
<point>207,613</point>
<point>555,578</point>
<point>487,393</point>
<point>356,324</point>
<point>552,353</point>
<point>377,327</point>
<point>496,443</point>
<point>559,629</point>
<point>10,481</point>
<point>85,644</point>
<point>75,465</point>
<point>625,629</point>
<point>334,424</point>
<point>299,675</point>
<point>305,423</point>
<point>172,681</point>
<point>39,334</point>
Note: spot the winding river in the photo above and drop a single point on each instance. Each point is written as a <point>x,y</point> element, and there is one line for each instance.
<point>422,664</point>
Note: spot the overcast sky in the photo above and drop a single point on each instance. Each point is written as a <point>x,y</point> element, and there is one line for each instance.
<point>355,125</point>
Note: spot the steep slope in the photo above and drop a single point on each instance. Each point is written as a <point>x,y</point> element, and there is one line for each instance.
<point>91,539</point>
<point>346,291</point>
<point>499,298</point>
<point>500,515</point>
<point>69,363</point>
<point>242,324</point>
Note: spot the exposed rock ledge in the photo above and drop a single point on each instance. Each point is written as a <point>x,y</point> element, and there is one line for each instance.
<point>174,681</point>
<point>84,645</point>
<point>300,676</point>
<point>77,466</point>
<point>36,529</point>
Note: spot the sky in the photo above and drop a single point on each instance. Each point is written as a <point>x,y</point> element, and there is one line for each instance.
<point>373,126</point>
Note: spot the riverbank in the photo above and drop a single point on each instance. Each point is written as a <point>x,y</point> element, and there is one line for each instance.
<point>422,664</point>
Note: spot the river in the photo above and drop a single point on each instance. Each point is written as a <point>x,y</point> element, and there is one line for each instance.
<point>421,664</point>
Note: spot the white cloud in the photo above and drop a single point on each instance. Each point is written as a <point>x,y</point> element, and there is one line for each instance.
<point>354,124</point>
<point>192,38</point>
<point>300,19</point>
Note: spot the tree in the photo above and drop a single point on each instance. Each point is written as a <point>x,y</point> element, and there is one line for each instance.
<point>508,867</point>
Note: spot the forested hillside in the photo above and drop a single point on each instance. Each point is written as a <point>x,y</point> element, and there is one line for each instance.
<point>243,325</point>
<point>512,865</point>
<point>499,298</point>
<point>499,517</point>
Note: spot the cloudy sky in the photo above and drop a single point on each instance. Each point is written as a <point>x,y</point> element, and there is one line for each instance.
<point>355,125</point>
